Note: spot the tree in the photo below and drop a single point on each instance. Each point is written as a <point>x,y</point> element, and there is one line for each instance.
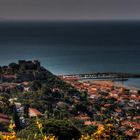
<point>26,110</point>
<point>62,129</point>
<point>84,96</point>
<point>16,118</point>
<point>90,129</point>
<point>5,106</point>
<point>35,85</point>
<point>14,65</point>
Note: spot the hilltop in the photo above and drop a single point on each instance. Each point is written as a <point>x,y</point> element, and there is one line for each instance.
<point>24,71</point>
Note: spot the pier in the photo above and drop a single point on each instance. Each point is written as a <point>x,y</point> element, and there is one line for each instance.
<point>104,76</point>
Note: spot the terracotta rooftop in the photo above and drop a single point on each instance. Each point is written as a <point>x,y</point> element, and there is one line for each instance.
<point>107,105</point>
<point>91,123</point>
<point>25,83</point>
<point>136,117</point>
<point>84,117</point>
<point>136,126</point>
<point>3,116</point>
<point>34,112</point>
<point>4,120</point>
<point>9,76</point>
<point>129,133</point>
<point>118,110</point>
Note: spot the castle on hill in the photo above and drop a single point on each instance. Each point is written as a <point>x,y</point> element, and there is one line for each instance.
<point>22,71</point>
<point>29,65</point>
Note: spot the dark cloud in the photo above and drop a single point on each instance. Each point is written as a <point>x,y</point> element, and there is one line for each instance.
<point>69,9</point>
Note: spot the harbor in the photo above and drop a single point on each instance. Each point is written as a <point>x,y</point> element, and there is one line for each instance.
<point>127,80</point>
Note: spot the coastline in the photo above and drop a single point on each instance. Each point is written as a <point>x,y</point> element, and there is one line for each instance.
<point>126,80</point>
<point>110,83</point>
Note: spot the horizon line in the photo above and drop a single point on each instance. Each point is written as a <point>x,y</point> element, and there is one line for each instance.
<point>67,20</point>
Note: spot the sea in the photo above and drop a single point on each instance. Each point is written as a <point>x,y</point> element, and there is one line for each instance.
<point>72,47</point>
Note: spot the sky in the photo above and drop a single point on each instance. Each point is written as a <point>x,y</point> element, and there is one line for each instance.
<point>69,9</point>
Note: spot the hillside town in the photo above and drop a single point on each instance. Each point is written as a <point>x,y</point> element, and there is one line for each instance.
<point>115,101</point>
<point>28,92</point>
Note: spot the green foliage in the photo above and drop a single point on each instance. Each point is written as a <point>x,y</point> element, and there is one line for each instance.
<point>78,123</point>
<point>29,132</point>
<point>5,106</point>
<point>3,127</point>
<point>84,96</point>
<point>62,129</point>
<point>35,85</point>
<point>81,107</point>
<point>89,129</point>
<point>14,65</point>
